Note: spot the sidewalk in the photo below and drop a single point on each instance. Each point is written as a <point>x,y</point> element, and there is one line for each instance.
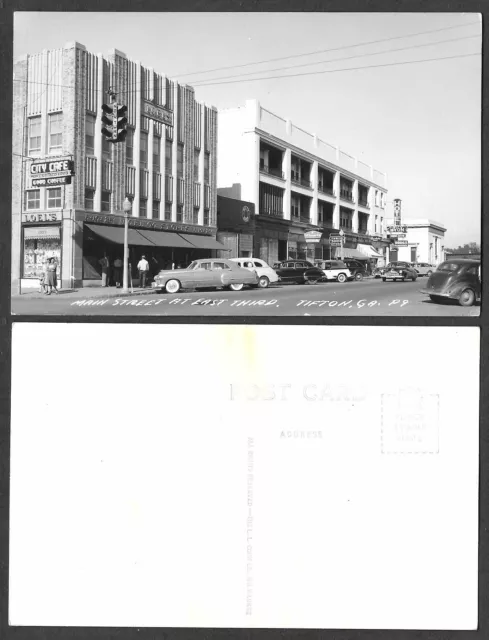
<point>86,293</point>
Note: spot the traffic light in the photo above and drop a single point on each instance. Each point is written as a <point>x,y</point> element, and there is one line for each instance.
<point>114,122</point>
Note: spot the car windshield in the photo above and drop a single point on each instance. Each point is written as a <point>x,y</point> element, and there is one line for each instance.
<point>193,265</point>
<point>448,266</point>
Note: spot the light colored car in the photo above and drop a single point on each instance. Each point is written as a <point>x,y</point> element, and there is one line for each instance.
<point>266,275</point>
<point>202,274</point>
<point>334,270</point>
<point>423,268</point>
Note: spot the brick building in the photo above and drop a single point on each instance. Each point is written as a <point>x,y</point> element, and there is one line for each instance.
<point>167,167</point>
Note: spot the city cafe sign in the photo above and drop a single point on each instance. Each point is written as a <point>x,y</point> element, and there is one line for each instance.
<point>51,172</point>
<point>144,223</point>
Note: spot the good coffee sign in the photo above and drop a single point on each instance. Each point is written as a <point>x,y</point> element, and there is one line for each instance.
<point>51,172</point>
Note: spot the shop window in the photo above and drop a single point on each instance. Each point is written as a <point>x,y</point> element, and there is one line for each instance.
<point>90,135</point>
<point>156,153</point>
<point>195,219</point>
<point>196,164</point>
<point>179,213</point>
<point>35,136</point>
<point>33,199</point>
<point>180,160</point>
<point>206,167</point>
<point>156,208</point>
<point>206,217</point>
<point>55,132</point>
<point>40,243</point>
<point>89,199</point>
<point>167,210</point>
<point>143,152</point>
<point>168,157</point>
<point>54,198</point>
<point>130,147</point>
<point>143,208</point>
<point>106,201</point>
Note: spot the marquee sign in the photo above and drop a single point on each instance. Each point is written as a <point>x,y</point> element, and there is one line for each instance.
<point>160,114</point>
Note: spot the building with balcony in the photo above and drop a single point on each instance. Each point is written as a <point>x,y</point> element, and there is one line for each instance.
<point>298,183</point>
<point>423,241</point>
<point>167,166</point>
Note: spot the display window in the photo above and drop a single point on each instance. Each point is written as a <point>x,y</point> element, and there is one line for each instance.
<point>41,243</point>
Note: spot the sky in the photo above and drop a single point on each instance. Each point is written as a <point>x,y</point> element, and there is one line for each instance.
<point>419,123</point>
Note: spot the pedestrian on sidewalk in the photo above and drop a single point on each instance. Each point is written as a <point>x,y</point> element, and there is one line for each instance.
<point>117,271</point>
<point>143,268</point>
<point>104,262</point>
<point>51,276</point>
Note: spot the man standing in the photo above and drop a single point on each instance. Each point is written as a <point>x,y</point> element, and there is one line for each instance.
<point>117,271</point>
<point>143,267</point>
<point>104,262</point>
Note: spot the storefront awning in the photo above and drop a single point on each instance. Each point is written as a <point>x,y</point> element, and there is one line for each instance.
<point>166,239</point>
<point>116,234</point>
<point>354,253</point>
<point>204,242</point>
<point>369,251</point>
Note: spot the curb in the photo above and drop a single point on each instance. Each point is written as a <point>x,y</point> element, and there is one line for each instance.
<point>82,294</point>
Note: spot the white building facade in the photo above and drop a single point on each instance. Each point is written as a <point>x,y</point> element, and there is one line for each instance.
<point>424,242</point>
<point>298,183</point>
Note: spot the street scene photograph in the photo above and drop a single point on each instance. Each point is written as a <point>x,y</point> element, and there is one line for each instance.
<point>251,164</point>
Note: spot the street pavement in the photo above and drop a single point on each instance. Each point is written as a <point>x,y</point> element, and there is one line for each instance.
<point>370,297</point>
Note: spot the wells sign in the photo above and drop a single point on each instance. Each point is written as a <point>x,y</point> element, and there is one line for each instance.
<point>160,114</point>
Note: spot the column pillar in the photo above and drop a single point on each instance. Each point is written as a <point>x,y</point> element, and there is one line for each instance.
<point>355,203</point>
<point>288,183</point>
<point>201,163</point>
<point>150,169</point>
<point>314,203</point>
<point>336,191</point>
<point>97,199</point>
<point>175,152</point>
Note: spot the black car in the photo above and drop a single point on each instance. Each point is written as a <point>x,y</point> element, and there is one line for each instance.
<point>298,271</point>
<point>357,269</point>
<point>455,279</point>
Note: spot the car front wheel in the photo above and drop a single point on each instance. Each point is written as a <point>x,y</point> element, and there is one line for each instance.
<point>384,279</point>
<point>359,276</point>
<point>312,280</point>
<point>263,282</point>
<point>467,298</point>
<point>414,278</point>
<point>341,277</point>
<point>172,286</point>
<point>236,287</point>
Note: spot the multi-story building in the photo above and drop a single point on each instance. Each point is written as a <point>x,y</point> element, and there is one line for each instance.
<point>423,241</point>
<point>298,183</point>
<point>166,166</point>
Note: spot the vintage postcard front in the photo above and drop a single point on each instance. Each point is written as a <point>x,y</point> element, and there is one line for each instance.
<point>245,476</point>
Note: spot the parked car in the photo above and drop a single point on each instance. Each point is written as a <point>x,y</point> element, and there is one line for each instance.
<point>203,274</point>
<point>266,275</point>
<point>299,271</point>
<point>457,280</point>
<point>357,269</point>
<point>399,271</point>
<point>378,272</point>
<point>423,268</point>
<point>334,270</point>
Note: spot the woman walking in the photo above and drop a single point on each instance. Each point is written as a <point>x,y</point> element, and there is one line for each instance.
<point>51,277</point>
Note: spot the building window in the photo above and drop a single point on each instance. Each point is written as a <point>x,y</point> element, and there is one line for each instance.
<point>106,149</point>
<point>55,132</point>
<point>105,200</point>
<point>168,157</point>
<point>206,167</point>
<point>89,199</point>
<point>156,153</point>
<point>180,160</point>
<point>130,146</point>
<point>143,153</point>
<point>90,135</point>
<point>206,217</point>
<point>196,164</point>
<point>195,219</point>
<point>54,198</point>
<point>33,199</point>
<point>156,208</point>
<point>294,207</point>
<point>179,213</point>
<point>143,208</point>
<point>167,210</point>
<point>35,136</point>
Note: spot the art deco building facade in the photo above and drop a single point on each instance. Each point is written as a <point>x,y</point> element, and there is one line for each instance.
<point>166,166</point>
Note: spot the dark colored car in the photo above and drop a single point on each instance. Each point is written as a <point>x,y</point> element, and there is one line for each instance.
<point>298,271</point>
<point>357,269</point>
<point>399,271</point>
<point>457,280</point>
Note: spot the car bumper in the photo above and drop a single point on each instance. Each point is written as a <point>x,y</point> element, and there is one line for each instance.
<point>433,292</point>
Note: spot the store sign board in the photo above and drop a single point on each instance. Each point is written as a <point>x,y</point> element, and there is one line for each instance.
<point>160,114</point>
<point>336,240</point>
<point>49,182</point>
<point>144,223</point>
<point>41,232</point>
<point>397,228</point>
<point>31,218</point>
<point>312,236</point>
<point>398,235</point>
<point>401,243</point>
<point>52,169</point>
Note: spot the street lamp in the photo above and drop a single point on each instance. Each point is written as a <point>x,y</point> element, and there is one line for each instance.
<point>127,207</point>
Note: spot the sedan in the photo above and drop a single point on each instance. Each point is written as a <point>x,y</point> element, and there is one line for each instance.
<point>399,271</point>
<point>203,274</point>
<point>423,268</point>
<point>334,270</point>
<point>299,271</point>
<point>457,280</point>
<point>266,275</point>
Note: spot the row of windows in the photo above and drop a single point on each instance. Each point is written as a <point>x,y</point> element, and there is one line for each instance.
<point>55,134</point>
<point>54,199</point>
